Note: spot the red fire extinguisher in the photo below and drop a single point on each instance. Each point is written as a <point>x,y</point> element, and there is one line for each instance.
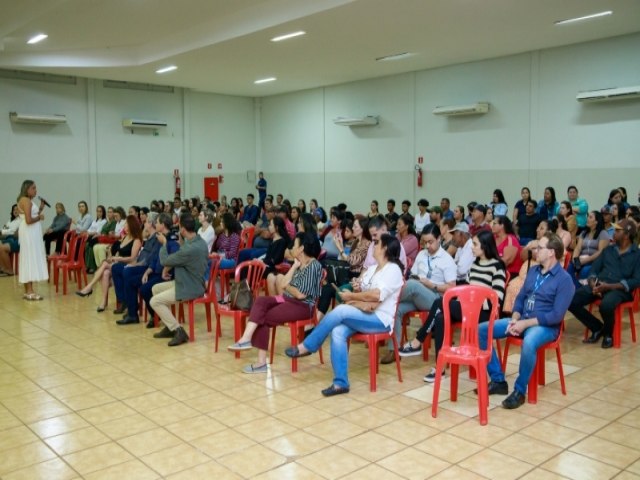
<point>176,177</point>
<point>419,175</point>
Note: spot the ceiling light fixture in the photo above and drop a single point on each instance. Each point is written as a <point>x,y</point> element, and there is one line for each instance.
<point>37,38</point>
<point>265,80</point>
<point>586,17</point>
<point>288,36</point>
<point>395,56</point>
<point>170,68</point>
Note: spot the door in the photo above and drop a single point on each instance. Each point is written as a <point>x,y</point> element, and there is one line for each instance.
<point>211,188</point>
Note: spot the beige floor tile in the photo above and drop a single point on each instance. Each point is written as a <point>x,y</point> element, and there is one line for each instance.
<point>483,435</point>
<point>222,443</point>
<point>93,399</point>
<point>332,462</point>
<point>634,467</point>
<point>235,415</point>
<point>621,434</point>
<point>406,431</point>
<point>195,427</point>
<point>77,440</point>
<point>263,429</point>
<point>600,408</point>
<point>296,444</point>
<point>148,442</point>
<point>553,433</point>
<point>495,465</point>
<point>372,471</point>
<point>16,436</point>
<point>97,458</point>
<point>577,420</point>
<point>303,416</point>
<point>8,420</point>
<point>541,474</point>
<point>527,449</point>
<point>632,419</point>
<point>131,469</point>
<point>54,468</point>
<point>180,457</point>
<point>627,476</point>
<point>126,426</point>
<point>210,402</point>
<point>449,448</point>
<point>58,425</point>
<point>289,471</point>
<point>372,446</point>
<point>617,396</point>
<point>607,452</point>
<point>335,430</point>
<point>253,461</point>
<point>456,473</point>
<point>578,467</point>
<point>210,469</point>
<point>413,464</point>
<point>24,456</point>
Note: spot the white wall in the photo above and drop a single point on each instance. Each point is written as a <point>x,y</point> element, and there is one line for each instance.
<point>535,135</point>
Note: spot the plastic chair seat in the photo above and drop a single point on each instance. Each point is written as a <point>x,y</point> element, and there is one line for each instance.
<point>70,265</point>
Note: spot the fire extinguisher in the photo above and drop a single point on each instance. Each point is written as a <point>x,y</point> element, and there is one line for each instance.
<point>176,177</point>
<point>419,175</point>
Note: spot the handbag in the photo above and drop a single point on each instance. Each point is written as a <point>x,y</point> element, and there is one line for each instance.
<point>337,271</point>
<point>240,296</point>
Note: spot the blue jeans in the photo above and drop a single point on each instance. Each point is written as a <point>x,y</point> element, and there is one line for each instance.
<point>227,264</point>
<point>582,274</point>
<point>342,322</point>
<point>414,296</point>
<point>534,338</point>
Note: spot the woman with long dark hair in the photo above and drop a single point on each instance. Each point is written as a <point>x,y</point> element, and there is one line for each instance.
<point>228,241</point>
<point>548,207</point>
<point>508,245</point>
<point>369,308</point>
<point>591,242</point>
<point>498,203</point>
<point>520,207</point>
<point>566,212</point>
<point>487,270</point>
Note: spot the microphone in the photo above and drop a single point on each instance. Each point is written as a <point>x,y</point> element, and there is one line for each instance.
<point>44,201</point>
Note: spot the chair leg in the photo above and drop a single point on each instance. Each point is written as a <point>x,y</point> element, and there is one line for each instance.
<point>617,328</point>
<point>237,330</point>
<point>504,356</point>
<point>273,344</point>
<point>483,393</point>
<point>455,371</point>
<point>632,325</point>
<point>561,370</point>
<point>436,387</point>
<point>65,274</point>
<point>425,347</point>
<point>218,332</point>
<point>207,311</point>
<point>396,351</point>
<point>373,363</point>
<point>192,321</point>
<point>294,331</point>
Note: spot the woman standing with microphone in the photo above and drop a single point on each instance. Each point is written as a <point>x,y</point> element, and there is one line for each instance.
<point>33,260</point>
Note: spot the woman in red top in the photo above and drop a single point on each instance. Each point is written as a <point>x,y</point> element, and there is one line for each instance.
<point>508,244</point>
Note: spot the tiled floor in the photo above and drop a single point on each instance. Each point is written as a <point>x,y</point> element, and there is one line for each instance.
<point>83,398</point>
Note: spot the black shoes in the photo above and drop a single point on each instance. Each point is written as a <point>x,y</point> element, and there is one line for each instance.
<point>496,388</point>
<point>293,352</point>
<point>179,337</point>
<point>164,333</point>
<point>151,324</point>
<point>80,293</point>
<point>121,309</point>
<point>128,320</point>
<point>595,336</point>
<point>607,342</point>
<point>514,400</point>
<point>333,390</point>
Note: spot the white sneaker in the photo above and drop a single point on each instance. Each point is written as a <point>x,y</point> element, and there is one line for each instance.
<point>431,376</point>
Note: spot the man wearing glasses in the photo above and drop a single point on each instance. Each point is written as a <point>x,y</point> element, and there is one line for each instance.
<point>537,315</point>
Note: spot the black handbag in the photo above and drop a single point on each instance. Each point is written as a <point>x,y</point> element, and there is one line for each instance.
<point>240,296</point>
<point>337,271</point>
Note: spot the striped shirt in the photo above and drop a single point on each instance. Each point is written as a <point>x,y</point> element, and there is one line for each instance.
<point>307,281</point>
<point>228,244</point>
<point>488,273</point>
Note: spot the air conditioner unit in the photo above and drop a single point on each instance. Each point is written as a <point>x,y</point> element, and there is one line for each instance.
<point>139,123</point>
<point>37,118</point>
<point>478,108</point>
<point>609,94</point>
<point>357,121</point>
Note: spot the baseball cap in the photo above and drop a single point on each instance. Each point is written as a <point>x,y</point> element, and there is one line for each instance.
<point>461,227</point>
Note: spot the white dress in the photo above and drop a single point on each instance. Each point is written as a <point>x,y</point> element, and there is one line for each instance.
<point>33,259</point>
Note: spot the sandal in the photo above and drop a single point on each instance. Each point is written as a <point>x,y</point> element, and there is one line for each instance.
<point>333,390</point>
<point>34,297</point>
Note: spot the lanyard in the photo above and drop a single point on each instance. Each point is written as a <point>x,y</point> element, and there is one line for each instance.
<point>539,281</point>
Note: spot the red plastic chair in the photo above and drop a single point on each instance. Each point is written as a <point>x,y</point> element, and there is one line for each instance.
<point>68,237</point>
<point>631,307</point>
<point>567,259</point>
<point>255,270</point>
<point>207,299</point>
<point>246,237</point>
<point>246,241</point>
<point>538,376</point>
<point>373,341</point>
<point>468,352</point>
<point>76,249</point>
<point>296,329</point>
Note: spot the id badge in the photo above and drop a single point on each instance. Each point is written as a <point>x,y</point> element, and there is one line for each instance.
<point>531,300</point>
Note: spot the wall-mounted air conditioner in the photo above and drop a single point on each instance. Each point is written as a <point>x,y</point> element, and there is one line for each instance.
<point>140,123</point>
<point>609,94</point>
<point>357,121</point>
<point>37,118</point>
<point>477,108</point>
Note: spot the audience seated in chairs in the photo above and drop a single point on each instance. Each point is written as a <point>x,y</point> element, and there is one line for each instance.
<point>9,242</point>
<point>368,309</point>
<point>56,230</point>
<point>569,217</point>
<point>612,278</point>
<point>433,272</point>
<point>84,220</point>
<point>93,240</point>
<point>294,296</point>
<point>579,207</point>
<point>124,252</point>
<point>498,203</point>
<point>520,207</point>
<point>330,245</point>
<point>527,222</point>
<point>464,256</point>
<point>100,250</point>
<point>206,230</point>
<point>537,315</point>
<point>487,270</point>
<point>548,207</point>
<point>478,219</point>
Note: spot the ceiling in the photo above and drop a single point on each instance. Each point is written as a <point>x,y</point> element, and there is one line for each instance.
<point>222,46</point>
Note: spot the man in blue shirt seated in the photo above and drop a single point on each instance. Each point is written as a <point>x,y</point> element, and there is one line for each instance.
<point>537,314</point>
<point>612,279</point>
<point>251,212</point>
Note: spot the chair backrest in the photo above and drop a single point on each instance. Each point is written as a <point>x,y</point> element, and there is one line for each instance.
<point>471,298</point>
<point>246,237</point>
<point>75,244</point>
<point>68,237</point>
<point>255,270</point>
<point>567,259</point>
<point>214,263</point>
<point>81,243</point>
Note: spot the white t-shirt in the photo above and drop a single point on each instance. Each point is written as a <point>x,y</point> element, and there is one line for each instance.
<point>464,259</point>
<point>96,225</point>
<point>389,281</point>
<point>208,235</point>
<point>421,221</point>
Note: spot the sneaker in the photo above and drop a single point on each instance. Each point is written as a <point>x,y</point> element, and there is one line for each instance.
<point>496,388</point>
<point>251,369</point>
<point>164,333</point>
<point>409,351</point>
<point>514,400</point>
<point>179,337</point>
<point>431,376</point>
